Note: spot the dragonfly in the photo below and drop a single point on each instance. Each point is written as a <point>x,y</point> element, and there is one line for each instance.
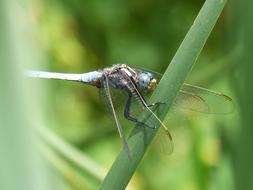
<point>137,84</point>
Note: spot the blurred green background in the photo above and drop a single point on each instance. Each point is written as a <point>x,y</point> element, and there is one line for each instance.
<point>74,36</point>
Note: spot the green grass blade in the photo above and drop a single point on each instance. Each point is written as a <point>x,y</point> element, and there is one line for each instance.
<point>65,169</point>
<point>21,166</point>
<point>188,52</point>
<point>70,153</point>
<point>240,146</point>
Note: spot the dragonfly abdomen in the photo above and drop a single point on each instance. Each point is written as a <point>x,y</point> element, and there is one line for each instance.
<point>92,78</point>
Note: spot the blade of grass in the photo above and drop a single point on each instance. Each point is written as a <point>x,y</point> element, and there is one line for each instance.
<point>21,166</point>
<point>184,59</point>
<point>71,175</point>
<point>72,154</point>
<point>241,144</point>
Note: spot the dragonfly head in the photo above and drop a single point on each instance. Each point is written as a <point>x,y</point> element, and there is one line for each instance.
<point>146,81</point>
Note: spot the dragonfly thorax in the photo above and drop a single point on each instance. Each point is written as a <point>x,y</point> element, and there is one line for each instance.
<point>122,76</point>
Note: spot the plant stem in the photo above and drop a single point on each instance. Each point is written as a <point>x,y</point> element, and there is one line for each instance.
<point>182,63</point>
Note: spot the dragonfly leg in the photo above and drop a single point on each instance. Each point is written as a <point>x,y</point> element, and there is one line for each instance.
<point>131,118</point>
<point>155,104</point>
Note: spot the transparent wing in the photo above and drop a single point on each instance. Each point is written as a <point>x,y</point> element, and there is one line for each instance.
<point>148,116</point>
<point>203,100</point>
<point>105,94</point>
<point>199,99</point>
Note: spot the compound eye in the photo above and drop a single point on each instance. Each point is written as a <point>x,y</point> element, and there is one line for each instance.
<point>143,80</point>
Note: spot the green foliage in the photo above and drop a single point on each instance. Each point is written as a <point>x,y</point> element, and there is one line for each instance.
<point>20,163</point>
<point>78,138</point>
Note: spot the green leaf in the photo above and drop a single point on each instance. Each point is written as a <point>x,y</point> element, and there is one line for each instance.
<point>175,75</point>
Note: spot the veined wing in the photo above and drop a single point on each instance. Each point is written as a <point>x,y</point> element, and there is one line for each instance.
<point>106,96</point>
<point>150,118</point>
<point>203,100</point>
<point>199,99</point>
